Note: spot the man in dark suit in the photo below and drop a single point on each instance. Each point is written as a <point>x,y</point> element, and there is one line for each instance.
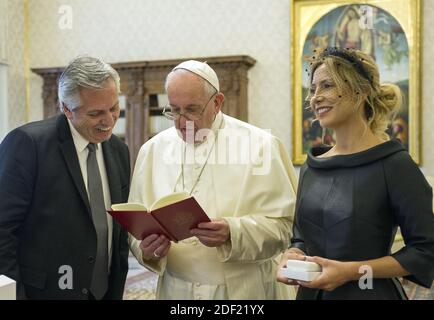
<point>57,177</point>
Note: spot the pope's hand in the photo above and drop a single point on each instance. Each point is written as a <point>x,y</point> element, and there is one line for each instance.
<point>212,234</point>
<point>155,247</point>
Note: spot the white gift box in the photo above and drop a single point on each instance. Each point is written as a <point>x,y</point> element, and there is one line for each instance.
<point>7,288</point>
<point>301,270</point>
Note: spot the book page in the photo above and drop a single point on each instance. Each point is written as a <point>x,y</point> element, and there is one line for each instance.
<point>128,207</point>
<point>170,199</point>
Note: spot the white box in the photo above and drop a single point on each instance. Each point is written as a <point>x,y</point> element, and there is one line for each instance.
<point>8,288</point>
<point>297,274</point>
<point>301,270</point>
<point>303,265</point>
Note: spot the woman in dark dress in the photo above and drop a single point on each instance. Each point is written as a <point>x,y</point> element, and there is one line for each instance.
<point>354,195</point>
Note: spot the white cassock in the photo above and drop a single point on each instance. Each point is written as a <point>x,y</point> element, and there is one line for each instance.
<point>249,181</point>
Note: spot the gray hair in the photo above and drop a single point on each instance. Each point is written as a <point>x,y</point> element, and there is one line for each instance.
<point>208,88</point>
<point>84,72</point>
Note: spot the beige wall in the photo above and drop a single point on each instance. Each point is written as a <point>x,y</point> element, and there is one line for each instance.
<point>12,54</point>
<point>164,29</point>
<point>3,29</point>
<point>126,30</point>
<point>3,71</point>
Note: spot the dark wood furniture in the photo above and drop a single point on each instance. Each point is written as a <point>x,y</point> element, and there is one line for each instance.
<point>143,81</point>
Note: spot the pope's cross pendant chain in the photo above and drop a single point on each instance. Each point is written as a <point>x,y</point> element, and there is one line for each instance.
<point>203,166</point>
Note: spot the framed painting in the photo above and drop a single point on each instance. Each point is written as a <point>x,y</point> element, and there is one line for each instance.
<point>388,30</point>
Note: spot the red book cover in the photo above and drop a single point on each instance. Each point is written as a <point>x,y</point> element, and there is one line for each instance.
<point>174,220</point>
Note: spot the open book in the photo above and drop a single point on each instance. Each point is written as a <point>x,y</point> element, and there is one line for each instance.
<point>172,215</point>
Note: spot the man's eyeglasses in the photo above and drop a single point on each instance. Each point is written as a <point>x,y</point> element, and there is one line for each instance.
<point>189,115</point>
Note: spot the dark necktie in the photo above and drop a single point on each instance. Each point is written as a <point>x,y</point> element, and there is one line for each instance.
<point>99,283</point>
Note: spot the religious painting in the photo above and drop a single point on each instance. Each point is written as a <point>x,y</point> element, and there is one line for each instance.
<point>388,30</point>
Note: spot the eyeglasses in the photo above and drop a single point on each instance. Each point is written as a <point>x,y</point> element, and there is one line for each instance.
<point>189,115</point>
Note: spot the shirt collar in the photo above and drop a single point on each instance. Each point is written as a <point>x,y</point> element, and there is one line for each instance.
<point>79,142</point>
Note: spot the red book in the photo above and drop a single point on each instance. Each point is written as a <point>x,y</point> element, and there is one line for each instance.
<point>173,215</point>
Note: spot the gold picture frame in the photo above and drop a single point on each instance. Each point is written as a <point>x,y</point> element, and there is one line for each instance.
<point>391,31</point>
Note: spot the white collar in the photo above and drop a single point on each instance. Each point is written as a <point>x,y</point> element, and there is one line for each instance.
<point>79,141</point>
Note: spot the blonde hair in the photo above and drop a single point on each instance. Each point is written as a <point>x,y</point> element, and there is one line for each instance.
<point>355,71</point>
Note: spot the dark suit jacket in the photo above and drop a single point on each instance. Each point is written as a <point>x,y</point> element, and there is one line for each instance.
<point>45,218</point>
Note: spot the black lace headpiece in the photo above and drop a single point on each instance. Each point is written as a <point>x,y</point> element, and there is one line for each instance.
<point>346,54</point>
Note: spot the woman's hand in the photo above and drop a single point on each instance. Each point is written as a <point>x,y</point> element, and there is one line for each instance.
<point>334,274</point>
<point>290,254</point>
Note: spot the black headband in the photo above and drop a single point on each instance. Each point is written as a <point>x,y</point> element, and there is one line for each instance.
<point>344,54</point>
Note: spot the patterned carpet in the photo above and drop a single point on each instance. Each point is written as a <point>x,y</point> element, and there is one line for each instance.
<point>141,285</point>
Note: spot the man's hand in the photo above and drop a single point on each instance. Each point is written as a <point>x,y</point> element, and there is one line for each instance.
<point>212,234</point>
<point>154,247</point>
<point>290,254</point>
